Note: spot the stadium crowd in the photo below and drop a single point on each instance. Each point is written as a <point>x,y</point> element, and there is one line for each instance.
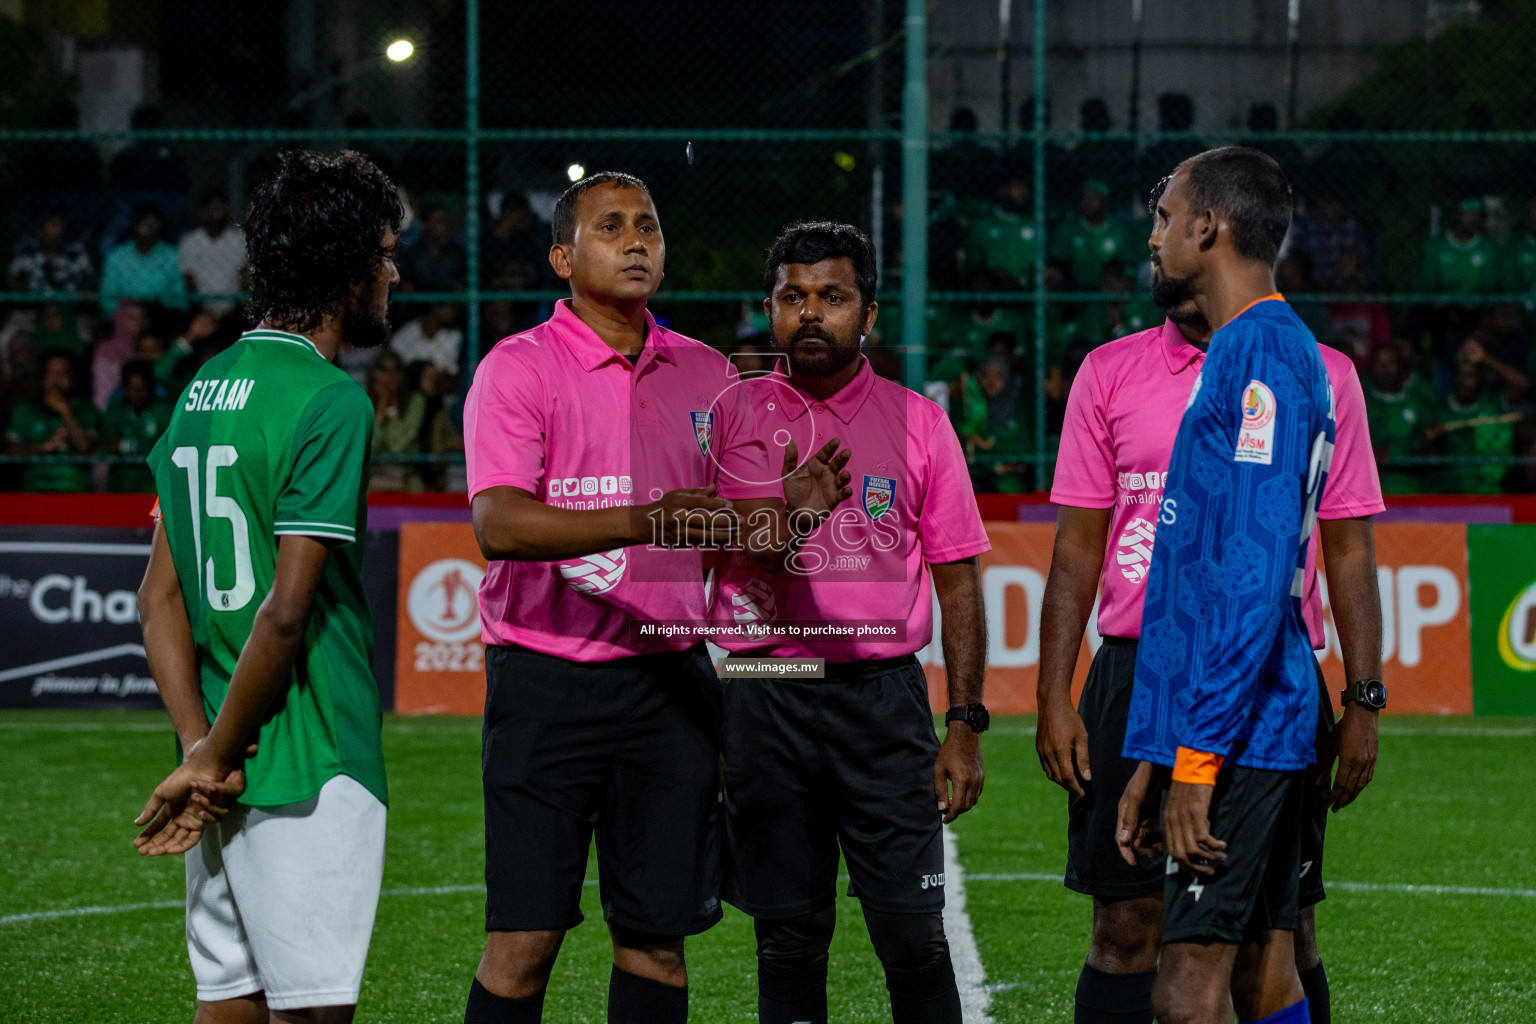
<point>143,277</point>
<point>1443,378</point>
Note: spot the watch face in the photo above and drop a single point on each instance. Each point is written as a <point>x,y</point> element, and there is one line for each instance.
<point>1375,694</point>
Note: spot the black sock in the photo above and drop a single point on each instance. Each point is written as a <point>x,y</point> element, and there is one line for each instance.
<point>924,995</point>
<point>785,997</point>
<point>486,1007</point>
<point>1104,998</point>
<point>1314,982</point>
<point>636,1000</point>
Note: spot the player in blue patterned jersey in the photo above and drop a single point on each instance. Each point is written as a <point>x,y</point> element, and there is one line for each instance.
<point>1225,691</point>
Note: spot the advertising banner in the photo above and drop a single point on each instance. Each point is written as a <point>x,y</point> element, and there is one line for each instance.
<point>1012,586</point>
<point>439,659</point>
<point>1421,570</point>
<point>1503,569</point>
<point>70,618</point>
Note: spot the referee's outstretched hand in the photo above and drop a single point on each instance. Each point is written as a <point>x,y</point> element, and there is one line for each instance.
<point>692,517</point>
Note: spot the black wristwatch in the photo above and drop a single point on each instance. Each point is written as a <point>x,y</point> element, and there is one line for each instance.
<point>973,715</point>
<point>1368,693</point>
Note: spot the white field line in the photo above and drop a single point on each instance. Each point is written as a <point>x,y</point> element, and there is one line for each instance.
<point>970,974</point>
<point>952,871</point>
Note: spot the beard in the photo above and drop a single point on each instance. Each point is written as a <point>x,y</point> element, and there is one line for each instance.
<point>820,362</point>
<point>1169,293</point>
<point>363,327</point>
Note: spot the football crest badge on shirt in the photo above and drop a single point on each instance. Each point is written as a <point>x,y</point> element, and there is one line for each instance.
<point>879,496</point>
<point>1256,440</point>
<point>703,429</point>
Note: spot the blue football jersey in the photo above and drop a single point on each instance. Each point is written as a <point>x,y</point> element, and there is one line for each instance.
<point>1225,665</point>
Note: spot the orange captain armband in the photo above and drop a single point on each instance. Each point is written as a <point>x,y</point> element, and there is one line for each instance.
<point>1196,767</point>
<point>154,513</point>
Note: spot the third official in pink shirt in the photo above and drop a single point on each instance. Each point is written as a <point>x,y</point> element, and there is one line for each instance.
<point>850,761</point>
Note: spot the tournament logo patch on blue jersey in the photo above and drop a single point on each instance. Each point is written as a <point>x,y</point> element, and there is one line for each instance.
<point>703,429</point>
<point>879,496</point>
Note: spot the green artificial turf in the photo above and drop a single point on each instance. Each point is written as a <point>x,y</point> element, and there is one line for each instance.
<point>1450,807</point>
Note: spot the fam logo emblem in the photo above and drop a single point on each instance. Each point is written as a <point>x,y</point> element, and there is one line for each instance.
<point>442,601</point>
<point>703,427</point>
<point>879,496</point>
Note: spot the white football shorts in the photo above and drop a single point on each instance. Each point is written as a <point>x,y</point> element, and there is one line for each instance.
<point>281,900</point>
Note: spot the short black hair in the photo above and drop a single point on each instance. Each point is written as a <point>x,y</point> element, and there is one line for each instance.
<point>313,233</point>
<point>142,209</point>
<point>1250,189</point>
<point>139,368</point>
<point>216,192</point>
<point>563,223</point>
<point>814,241</point>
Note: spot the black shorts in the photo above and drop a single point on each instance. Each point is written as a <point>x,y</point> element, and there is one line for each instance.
<point>814,764</point>
<point>628,747</point>
<point>1258,814</point>
<point>1314,821</point>
<point>1094,865</point>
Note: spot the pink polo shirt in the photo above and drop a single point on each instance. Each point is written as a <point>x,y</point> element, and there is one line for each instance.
<point>860,588</point>
<point>1125,407</point>
<point>558,413</point>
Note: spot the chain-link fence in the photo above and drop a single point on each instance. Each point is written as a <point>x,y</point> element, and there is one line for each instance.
<point>131,135</point>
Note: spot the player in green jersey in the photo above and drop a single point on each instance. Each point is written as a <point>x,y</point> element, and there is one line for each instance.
<point>255,619</point>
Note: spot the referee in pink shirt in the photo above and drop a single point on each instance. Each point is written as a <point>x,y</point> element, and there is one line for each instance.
<point>1122,415</point>
<point>603,452</point>
<point>850,760</point>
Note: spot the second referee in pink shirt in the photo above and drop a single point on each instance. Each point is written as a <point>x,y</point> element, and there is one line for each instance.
<point>851,760</point>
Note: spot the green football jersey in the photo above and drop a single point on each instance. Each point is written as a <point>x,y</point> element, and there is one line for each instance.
<point>1003,241</point>
<point>1086,248</point>
<point>1465,268</point>
<point>272,439</point>
<point>1523,259</point>
<point>33,423</point>
<point>1475,430</point>
<point>1397,421</point>
<point>135,433</point>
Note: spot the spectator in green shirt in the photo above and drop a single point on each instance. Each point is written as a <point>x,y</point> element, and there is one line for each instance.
<point>1398,407</point>
<point>1464,260</point>
<point>992,428</point>
<point>958,334</point>
<point>1087,242</point>
<point>397,421</point>
<point>1004,238</point>
<point>54,423</point>
<point>133,422</point>
<point>1107,321</point>
<point>1523,246</point>
<point>1471,422</point>
<point>144,267</point>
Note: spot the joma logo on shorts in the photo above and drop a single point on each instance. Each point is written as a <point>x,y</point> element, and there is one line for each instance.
<point>933,881</point>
